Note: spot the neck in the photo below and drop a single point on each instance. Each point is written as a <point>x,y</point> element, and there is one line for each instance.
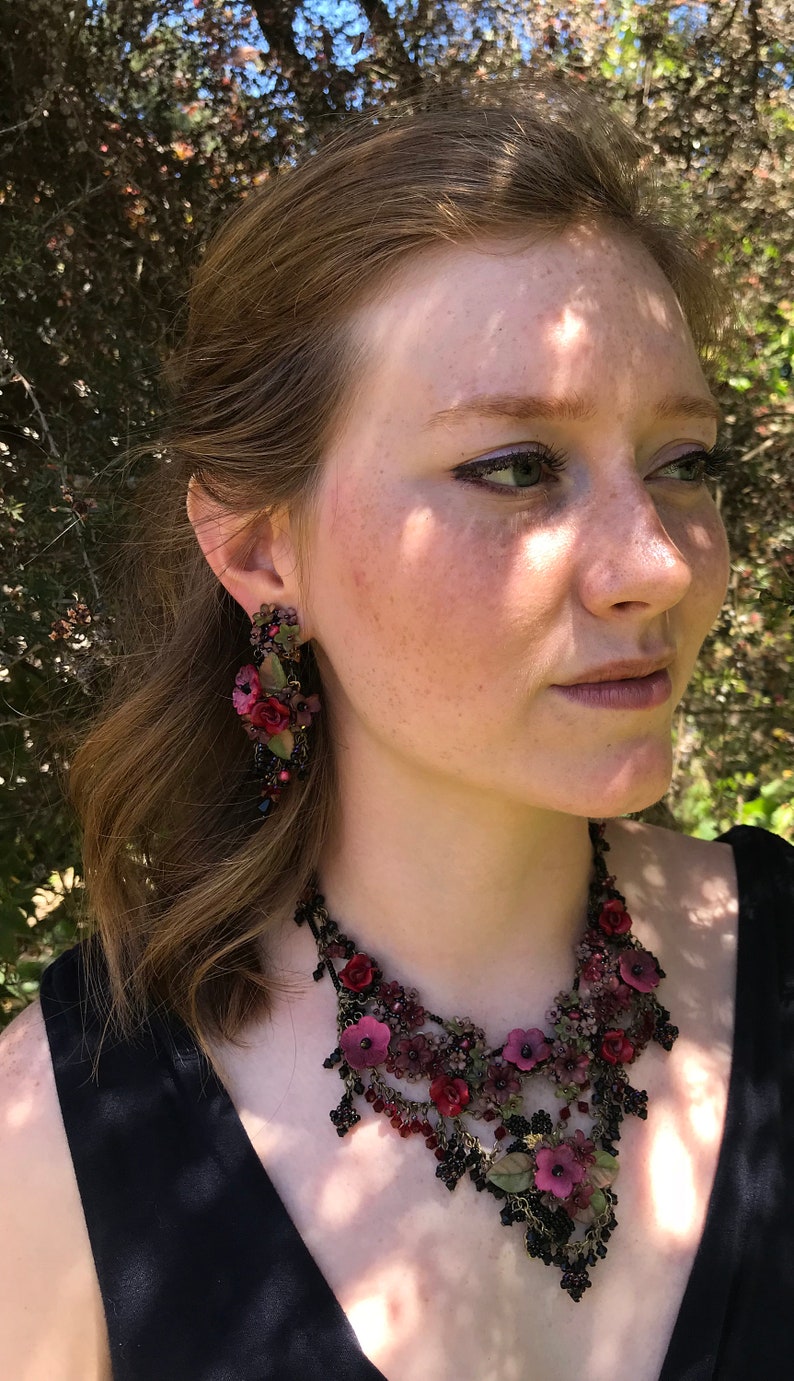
<point>474,900</point>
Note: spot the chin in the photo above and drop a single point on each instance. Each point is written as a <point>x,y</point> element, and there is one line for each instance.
<point>622,783</point>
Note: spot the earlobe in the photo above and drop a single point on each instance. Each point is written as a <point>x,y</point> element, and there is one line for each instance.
<point>246,552</point>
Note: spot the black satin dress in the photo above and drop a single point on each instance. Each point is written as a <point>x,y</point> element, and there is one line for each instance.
<point>204,1276</point>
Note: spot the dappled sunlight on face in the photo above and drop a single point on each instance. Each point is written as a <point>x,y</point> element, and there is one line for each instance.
<point>575,344</point>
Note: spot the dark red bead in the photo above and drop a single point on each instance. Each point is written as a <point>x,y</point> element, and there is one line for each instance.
<point>396,1122</point>
<point>489,1115</point>
<point>416,1125</point>
<point>432,1142</point>
<point>565,1114</point>
<point>500,1133</point>
<point>369,1094</point>
<point>405,1130</point>
<point>583,1107</point>
<point>427,1130</point>
<point>440,1153</point>
<point>379,1105</point>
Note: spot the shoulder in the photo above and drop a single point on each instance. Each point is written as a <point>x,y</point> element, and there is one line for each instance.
<point>51,1313</point>
<point>698,875</point>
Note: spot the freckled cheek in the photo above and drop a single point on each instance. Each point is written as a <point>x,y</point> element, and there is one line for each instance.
<point>401,591</point>
<point>709,560</point>
<point>704,546</point>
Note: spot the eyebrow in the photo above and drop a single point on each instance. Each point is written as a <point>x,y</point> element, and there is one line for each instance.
<point>572,408</point>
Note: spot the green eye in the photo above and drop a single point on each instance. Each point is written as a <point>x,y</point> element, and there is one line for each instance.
<point>708,464</point>
<point>526,466</point>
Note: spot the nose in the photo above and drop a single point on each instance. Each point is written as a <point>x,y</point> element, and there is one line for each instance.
<point>629,559</point>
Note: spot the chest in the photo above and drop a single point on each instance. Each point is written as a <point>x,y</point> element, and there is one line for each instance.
<point>432,1282</point>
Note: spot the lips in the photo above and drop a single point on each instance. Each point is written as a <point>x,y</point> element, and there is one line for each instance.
<point>624,670</point>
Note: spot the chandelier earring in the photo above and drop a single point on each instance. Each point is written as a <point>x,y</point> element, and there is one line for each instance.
<point>268,697</point>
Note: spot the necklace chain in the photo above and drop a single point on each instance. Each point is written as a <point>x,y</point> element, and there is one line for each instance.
<point>557,1183</point>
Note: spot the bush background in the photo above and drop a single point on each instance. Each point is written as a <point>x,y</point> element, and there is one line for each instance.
<point>127,128</point>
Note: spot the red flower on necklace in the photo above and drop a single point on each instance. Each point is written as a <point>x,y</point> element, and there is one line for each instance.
<point>571,1065</point>
<point>411,1057</point>
<point>449,1095</point>
<point>639,969</point>
<point>614,918</point>
<point>357,973</point>
<point>501,1083</point>
<point>616,1048</point>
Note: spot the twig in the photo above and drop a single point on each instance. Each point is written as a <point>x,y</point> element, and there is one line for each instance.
<point>18,377</point>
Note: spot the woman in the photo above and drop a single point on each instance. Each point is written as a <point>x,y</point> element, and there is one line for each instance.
<point>441,450</point>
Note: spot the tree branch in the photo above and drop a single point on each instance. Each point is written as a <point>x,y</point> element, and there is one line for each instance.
<point>385,30</point>
<point>276,19</point>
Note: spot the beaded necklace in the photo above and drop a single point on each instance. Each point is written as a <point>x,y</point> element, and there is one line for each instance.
<point>558,1185</point>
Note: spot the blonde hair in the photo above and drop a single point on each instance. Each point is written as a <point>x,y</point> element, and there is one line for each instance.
<point>182,874</point>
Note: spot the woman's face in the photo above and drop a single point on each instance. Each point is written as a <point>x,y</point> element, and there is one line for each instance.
<point>445,610</point>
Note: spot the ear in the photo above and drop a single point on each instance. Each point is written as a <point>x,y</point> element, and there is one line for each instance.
<point>253,558</point>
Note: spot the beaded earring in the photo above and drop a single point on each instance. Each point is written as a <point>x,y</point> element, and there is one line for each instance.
<point>268,697</point>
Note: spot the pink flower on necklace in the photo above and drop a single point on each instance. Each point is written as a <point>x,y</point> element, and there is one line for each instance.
<point>526,1048</point>
<point>614,918</point>
<point>247,689</point>
<point>616,1048</point>
<point>639,969</point>
<point>357,973</point>
<point>364,1045</point>
<point>558,1170</point>
<point>449,1095</point>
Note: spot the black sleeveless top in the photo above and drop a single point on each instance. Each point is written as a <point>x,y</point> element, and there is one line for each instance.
<point>204,1276</point>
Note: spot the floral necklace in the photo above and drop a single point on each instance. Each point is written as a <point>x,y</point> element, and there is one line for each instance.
<point>557,1185</point>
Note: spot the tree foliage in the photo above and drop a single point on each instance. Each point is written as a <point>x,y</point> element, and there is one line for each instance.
<point>127,127</point>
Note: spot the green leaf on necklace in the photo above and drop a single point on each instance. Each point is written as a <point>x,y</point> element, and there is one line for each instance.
<point>604,1171</point>
<point>598,1202</point>
<point>512,1173</point>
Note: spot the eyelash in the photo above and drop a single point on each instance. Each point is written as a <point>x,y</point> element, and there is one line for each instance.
<point>714,461</point>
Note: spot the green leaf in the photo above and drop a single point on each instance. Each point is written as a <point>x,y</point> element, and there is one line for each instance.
<point>282,744</point>
<point>598,1202</point>
<point>287,636</point>
<point>512,1173</point>
<point>271,673</point>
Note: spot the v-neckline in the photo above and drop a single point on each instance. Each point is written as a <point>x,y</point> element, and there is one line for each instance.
<point>202,1078</point>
